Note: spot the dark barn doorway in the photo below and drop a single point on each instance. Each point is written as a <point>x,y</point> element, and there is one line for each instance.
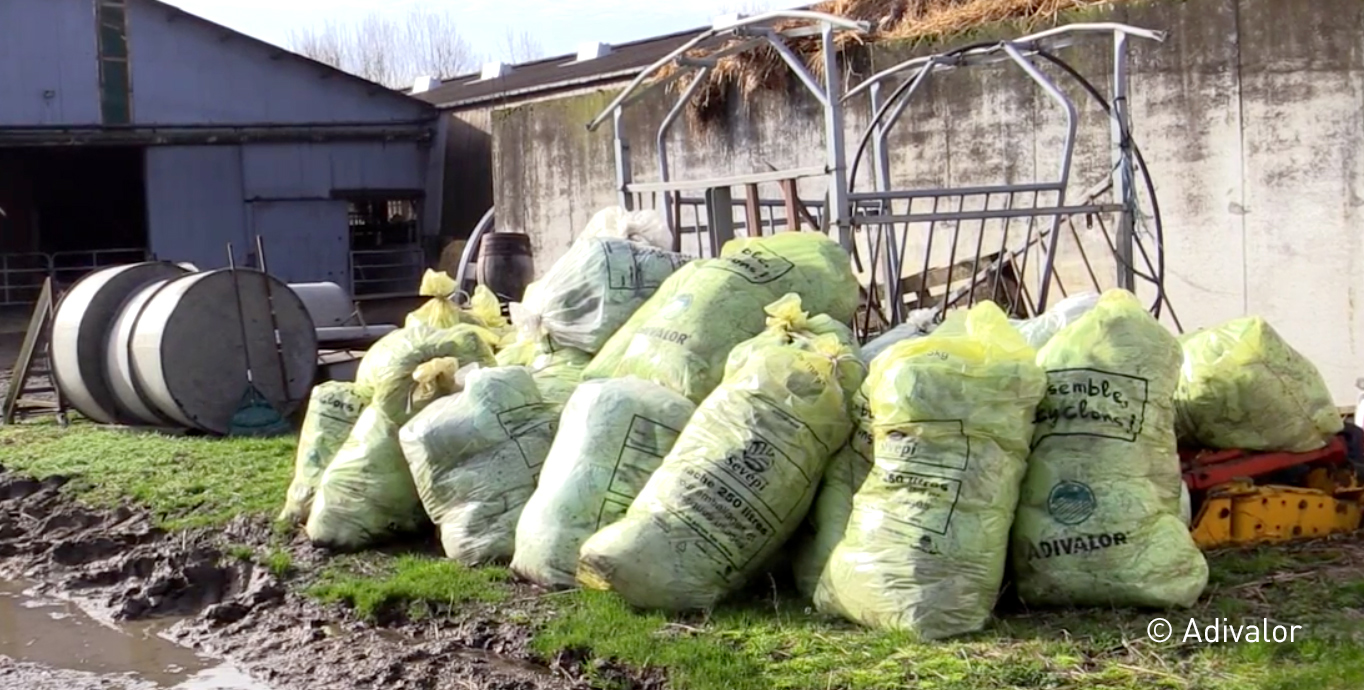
<point>68,209</point>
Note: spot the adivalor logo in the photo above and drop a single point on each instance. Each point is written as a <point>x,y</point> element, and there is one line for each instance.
<point>675,307</point>
<point>1071,503</point>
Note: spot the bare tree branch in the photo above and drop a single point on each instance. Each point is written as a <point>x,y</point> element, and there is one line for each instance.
<point>392,51</point>
<point>518,47</point>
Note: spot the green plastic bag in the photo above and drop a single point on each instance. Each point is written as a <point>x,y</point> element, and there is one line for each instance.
<point>593,289</point>
<point>1099,512</point>
<point>475,457</point>
<point>385,373</point>
<point>682,335</point>
<point>833,505</point>
<point>333,409</point>
<point>740,478</point>
<point>927,542</point>
<point>612,436</point>
<point>366,495</point>
<point>1243,386</point>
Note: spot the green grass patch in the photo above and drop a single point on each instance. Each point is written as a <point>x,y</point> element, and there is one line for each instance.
<point>777,643</point>
<point>770,640</point>
<point>279,563</point>
<point>184,481</point>
<point>372,584</point>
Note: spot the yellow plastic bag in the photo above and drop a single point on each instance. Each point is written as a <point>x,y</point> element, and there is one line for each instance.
<point>739,480</point>
<point>927,541</point>
<point>484,307</point>
<point>385,373</point>
<point>682,335</point>
<point>333,409</point>
<point>1243,386</point>
<point>366,495</point>
<point>439,311</point>
<point>434,379</point>
<point>1098,518</point>
<point>833,505</point>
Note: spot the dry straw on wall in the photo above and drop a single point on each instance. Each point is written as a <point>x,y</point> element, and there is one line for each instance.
<point>763,69</point>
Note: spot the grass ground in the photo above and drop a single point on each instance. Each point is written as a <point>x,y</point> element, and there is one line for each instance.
<point>772,640</point>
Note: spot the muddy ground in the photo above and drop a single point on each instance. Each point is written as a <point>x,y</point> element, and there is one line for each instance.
<point>121,568</point>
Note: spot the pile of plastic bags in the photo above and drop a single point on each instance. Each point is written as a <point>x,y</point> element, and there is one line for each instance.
<point>669,429</point>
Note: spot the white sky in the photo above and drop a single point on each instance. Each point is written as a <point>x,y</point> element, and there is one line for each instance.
<point>558,26</point>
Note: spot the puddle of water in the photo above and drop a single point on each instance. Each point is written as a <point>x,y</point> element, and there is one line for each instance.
<point>57,634</point>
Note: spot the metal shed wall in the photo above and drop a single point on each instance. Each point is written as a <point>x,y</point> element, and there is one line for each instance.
<point>49,69</point>
<point>201,197</point>
<point>184,71</point>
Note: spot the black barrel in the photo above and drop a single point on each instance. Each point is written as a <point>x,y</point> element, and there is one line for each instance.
<point>504,264</point>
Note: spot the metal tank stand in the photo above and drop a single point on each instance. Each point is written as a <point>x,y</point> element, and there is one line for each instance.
<point>986,220</point>
<point>713,210</point>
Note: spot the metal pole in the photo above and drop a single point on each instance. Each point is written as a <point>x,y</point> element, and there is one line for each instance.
<point>837,214</point>
<point>1122,168</point>
<point>623,178</point>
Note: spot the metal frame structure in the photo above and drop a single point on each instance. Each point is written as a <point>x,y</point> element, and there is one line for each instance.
<point>884,211</point>
<point>885,216</point>
<point>732,38</point>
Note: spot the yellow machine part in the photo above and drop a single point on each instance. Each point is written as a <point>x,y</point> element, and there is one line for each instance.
<point>1241,513</point>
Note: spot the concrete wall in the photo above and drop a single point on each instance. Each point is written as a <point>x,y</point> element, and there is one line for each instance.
<point>1248,115</point>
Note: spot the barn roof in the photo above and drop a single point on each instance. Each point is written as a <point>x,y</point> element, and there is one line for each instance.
<point>556,73</point>
<point>361,82</point>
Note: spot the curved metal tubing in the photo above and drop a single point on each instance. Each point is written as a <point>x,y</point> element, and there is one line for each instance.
<point>484,224</point>
<point>1103,27</point>
<point>836,21</point>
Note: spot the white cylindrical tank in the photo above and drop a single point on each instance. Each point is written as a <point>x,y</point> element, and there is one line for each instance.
<point>81,328</point>
<point>190,349</point>
<point>130,401</point>
<point>327,303</point>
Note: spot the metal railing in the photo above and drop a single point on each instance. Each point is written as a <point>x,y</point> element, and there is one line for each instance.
<point>386,271</point>
<point>991,242</point>
<point>22,274</point>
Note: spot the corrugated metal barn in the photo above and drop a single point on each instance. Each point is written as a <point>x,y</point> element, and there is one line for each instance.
<point>130,127</point>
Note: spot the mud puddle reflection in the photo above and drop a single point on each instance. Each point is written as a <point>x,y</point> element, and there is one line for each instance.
<point>41,636</point>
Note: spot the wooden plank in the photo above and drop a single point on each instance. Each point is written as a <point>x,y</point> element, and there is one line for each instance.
<point>37,324</point>
<point>788,193</point>
<point>753,217</point>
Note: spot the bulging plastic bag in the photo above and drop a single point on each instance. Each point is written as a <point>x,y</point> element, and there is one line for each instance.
<point>333,409</point>
<point>593,289</point>
<point>927,542</point>
<point>1039,329</point>
<point>828,518</point>
<point>385,373</point>
<point>1243,386</point>
<point>682,335</point>
<point>366,494</point>
<point>438,312</point>
<point>475,456</point>
<point>1099,512</point>
<point>739,480</point>
<point>645,227</point>
<point>613,434</point>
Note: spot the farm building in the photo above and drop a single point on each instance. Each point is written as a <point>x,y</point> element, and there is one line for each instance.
<point>131,128</point>
<point>467,104</point>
